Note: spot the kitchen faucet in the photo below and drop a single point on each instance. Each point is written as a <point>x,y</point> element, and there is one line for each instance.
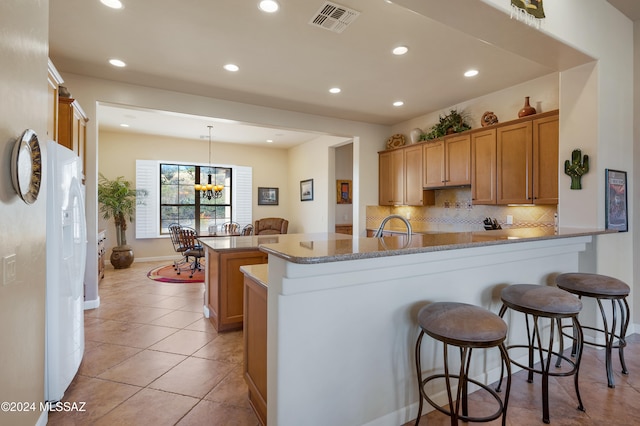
<point>378,233</point>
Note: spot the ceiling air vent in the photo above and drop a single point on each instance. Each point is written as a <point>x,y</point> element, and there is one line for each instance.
<point>334,17</point>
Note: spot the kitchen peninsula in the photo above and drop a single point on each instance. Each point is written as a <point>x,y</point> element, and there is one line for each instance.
<point>341,313</point>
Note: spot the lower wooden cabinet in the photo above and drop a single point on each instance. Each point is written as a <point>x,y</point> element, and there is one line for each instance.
<point>225,286</point>
<point>255,342</point>
<point>344,229</point>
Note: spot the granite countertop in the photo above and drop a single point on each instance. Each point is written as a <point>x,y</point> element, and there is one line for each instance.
<point>259,273</point>
<point>255,241</point>
<point>308,249</point>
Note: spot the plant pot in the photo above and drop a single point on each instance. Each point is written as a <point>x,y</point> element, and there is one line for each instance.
<point>122,257</point>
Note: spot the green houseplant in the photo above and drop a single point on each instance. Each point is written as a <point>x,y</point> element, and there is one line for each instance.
<point>454,122</point>
<point>117,199</point>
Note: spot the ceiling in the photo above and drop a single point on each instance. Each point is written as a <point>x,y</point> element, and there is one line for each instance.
<point>284,61</point>
<point>631,8</point>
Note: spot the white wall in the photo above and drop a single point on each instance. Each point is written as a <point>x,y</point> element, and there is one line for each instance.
<point>118,152</point>
<point>23,105</point>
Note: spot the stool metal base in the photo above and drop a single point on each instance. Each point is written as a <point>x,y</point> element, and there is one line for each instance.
<point>535,345</point>
<point>610,335</point>
<point>461,398</point>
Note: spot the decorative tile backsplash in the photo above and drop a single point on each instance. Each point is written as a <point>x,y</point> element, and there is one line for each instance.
<point>453,211</point>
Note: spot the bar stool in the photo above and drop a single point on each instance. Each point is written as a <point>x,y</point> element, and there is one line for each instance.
<point>546,302</point>
<point>467,327</point>
<point>602,287</point>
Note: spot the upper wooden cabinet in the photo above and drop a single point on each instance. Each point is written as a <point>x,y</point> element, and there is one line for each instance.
<point>517,163</point>
<point>546,147</point>
<point>447,162</point>
<point>391,179</point>
<point>483,167</point>
<point>72,127</point>
<point>514,149</point>
<point>54,80</point>
<point>400,178</point>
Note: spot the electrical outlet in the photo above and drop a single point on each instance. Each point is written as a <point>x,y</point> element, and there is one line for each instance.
<point>509,219</point>
<point>9,269</point>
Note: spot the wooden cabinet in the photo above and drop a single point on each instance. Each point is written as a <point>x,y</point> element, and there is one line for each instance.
<point>516,163</point>
<point>514,148</point>
<point>53,82</point>
<point>400,178</point>
<point>483,167</point>
<point>344,229</point>
<point>225,285</point>
<point>72,127</point>
<point>546,146</point>
<point>447,162</point>
<point>391,180</point>
<point>255,339</point>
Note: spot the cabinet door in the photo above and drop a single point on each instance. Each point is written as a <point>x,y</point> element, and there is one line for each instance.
<point>413,195</point>
<point>434,171</point>
<point>515,163</point>
<point>65,122</point>
<point>545,160</point>
<point>458,160</point>
<point>483,167</point>
<point>391,178</point>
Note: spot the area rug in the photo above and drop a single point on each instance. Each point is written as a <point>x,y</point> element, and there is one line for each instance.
<point>166,274</point>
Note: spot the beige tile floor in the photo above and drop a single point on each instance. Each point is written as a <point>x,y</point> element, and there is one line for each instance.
<point>151,358</point>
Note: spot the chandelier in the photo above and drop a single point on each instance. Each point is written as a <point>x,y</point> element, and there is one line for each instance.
<point>209,190</point>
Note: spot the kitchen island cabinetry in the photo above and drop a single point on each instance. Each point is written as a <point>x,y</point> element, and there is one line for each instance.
<point>447,162</point>
<point>255,337</point>
<point>225,286</point>
<point>342,314</point>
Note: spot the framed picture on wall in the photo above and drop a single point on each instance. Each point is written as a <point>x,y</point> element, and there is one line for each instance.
<point>343,188</point>
<point>267,196</point>
<point>306,190</point>
<point>617,216</point>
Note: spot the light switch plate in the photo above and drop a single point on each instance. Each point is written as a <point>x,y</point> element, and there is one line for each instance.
<point>9,269</point>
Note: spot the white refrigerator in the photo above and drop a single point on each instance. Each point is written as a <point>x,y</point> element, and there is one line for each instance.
<point>66,255</point>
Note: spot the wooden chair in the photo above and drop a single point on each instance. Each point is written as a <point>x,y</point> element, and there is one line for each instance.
<point>230,227</point>
<point>174,233</point>
<point>189,240</point>
<point>247,230</point>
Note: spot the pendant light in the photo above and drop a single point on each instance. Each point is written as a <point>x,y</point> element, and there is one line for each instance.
<point>209,190</point>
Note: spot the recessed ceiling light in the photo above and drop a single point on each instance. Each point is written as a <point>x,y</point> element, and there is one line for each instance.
<point>335,90</point>
<point>400,50</point>
<point>231,67</point>
<point>124,125</point>
<point>471,73</point>
<point>117,63</point>
<point>113,4</point>
<point>269,140</point>
<point>269,6</point>
<point>398,103</point>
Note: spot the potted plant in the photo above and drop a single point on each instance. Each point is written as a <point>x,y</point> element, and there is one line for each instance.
<point>118,200</point>
<point>454,122</point>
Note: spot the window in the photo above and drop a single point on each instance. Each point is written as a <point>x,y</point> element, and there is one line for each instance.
<point>179,202</point>
<point>172,198</point>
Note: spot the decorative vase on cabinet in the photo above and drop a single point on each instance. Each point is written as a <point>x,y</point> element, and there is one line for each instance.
<point>526,109</point>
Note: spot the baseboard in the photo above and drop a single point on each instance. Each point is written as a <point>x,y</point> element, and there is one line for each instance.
<point>43,419</point>
<point>91,304</point>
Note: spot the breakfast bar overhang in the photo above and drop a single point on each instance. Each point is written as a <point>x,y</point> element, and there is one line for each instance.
<point>341,313</point>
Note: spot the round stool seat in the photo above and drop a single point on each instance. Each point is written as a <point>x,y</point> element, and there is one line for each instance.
<point>593,285</point>
<point>462,324</point>
<point>541,300</point>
